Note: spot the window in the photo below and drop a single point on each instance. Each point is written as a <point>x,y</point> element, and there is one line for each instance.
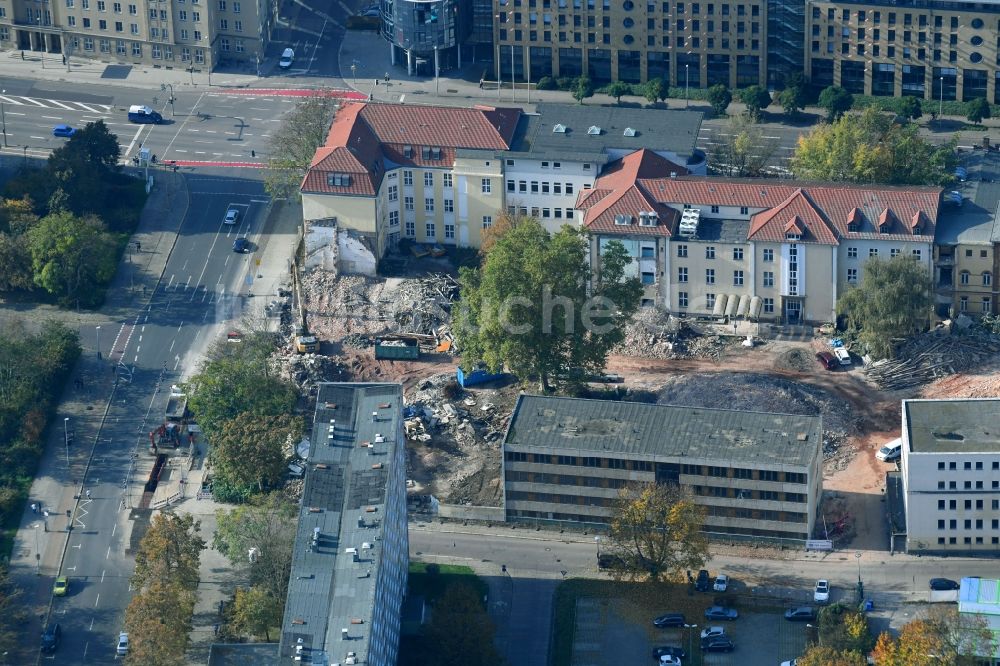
<point>682,274</point>
<point>393,218</point>
<point>487,221</point>
<point>709,301</point>
<point>710,252</point>
<point>682,251</point>
<point>137,49</point>
<point>744,210</point>
<point>534,187</point>
<point>71,20</point>
<point>393,194</point>
<point>408,203</point>
<point>222,5</point>
<point>963,277</point>
<point>682,299</point>
<point>195,16</point>
<point>737,254</point>
<point>429,230</point>
<point>487,185</point>
<point>987,279</point>
<point>709,275</point>
<point>768,278</point>
<point>119,26</point>
<point>446,180</point>
<point>872,252</point>
<point>569,188</point>
<point>238,27</point>
<point>894,252</point>
<point>648,277</point>
<point>852,275</point>
<point>511,186</point>
<point>236,8</point>
<point>428,179</point>
<point>410,229</point>
<point>768,255</point>
<point>407,178</point>
<point>429,204</point>
<point>449,231</point>
<point>769,306</point>
<point>449,205</point>
<point>134,29</point>
<point>737,278</point>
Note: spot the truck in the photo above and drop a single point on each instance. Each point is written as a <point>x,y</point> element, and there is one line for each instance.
<point>138,113</point>
<point>397,350</point>
<point>177,410</point>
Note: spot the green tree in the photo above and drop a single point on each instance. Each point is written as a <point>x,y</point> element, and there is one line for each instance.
<point>249,451</point>
<point>656,532</point>
<point>158,622</point>
<point>871,148</point>
<point>742,151</point>
<point>528,308</point>
<point>295,141</point>
<point>72,257</point>
<point>169,552</point>
<point>893,300</point>
<point>977,110</point>
<point>619,89</point>
<point>844,629</point>
<point>93,145</point>
<point>460,629</point>
<point>823,655</point>
<point>13,612</point>
<point>756,99</point>
<point>836,101</point>
<point>720,98</point>
<point>910,108</point>
<point>582,89</point>
<point>792,100</point>
<point>255,610</point>
<point>655,90</point>
<point>16,261</point>
<point>267,524</point>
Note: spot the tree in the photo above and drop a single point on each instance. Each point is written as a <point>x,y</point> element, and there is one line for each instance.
<point>977,110</point>
<point>71,257</point>
<point>720,98</point>
<point>655,532</point>
<point>528,308</point>
<point>460,629</point>
<point>266,524</point>
<point>893,300</point>
<point>822,655</point>
<point>756,99</point>
<point>93,145</point>
<point>742,151</point>
<point>836,101</point>
<point>16,261</point>
<point>249,450</point>
<point>871,148</point>
<point>503,223</point>
<point>583,89</point>
<point>654,90</point>
<point>294,143</point>
<point>255,610</point>
<point>169,552</point>
<point>13,611</point>
<point>910,108</point>
<point>158,622</point>
<point>619,89</point>
<point>844,629</point>
<point>792,100</point>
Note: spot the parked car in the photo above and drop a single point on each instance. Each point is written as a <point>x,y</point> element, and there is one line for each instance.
<point>61,587</point>
<point>827,360</point>
<point>843,356</point>
<point>821,594</point>
<point>123,643</point>
<point>708,632</point>
<point>669,620</point>
<point>287,56</point>
<point>242,245</point>
<point>51,637</point>
<point>954,197</point>
<point>891,451</point>
<point>721,583</point>
<point>801,614</point>
<point>668,660</point>
<point>231,216</point>
<point>64,131</point>
<point>718,644</point>
<point>944,584</point>
<point>669,651</point>
<point>961,173</point>
<point>790,662</point>
<point>702,583</point>
<point>721,613</point>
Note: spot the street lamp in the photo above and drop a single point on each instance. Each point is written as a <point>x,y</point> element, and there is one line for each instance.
<point>164,86</point>
<point>98,343</point>
<point>3,116</point>
<point>66,438</point>
<point>686,81</point>
<point>25,157</point>
<point>941,99</point>
<point>690,628</point>
<point>354,70</point>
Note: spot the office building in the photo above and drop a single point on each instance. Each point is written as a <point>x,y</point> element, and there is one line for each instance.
<point>424,36</point>
<point>758,475</point>
<point>197,35</point>
<point>351,554</point>
<point>951,476</point>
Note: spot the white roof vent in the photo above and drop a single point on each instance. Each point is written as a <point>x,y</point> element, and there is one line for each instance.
<point>629,132</point>
<point>559,129</point>
<point>594,130</point>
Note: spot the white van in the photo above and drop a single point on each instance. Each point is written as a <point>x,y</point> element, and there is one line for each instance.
<point>890,451</point>
<point>287,56</point>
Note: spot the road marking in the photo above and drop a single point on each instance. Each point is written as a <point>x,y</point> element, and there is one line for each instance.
<point>36,137</point>
<point>132,143</point>
<point>97,601</point>
<point>33,101</point>
<point>102,570</point>
<point>16,113</point>
<point>60,104</point>
<point>89,108</point>
<point>114,529</point>
<point>52,117</point>
<point>108,556</point>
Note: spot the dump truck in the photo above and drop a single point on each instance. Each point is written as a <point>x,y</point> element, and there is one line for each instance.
<point>177,410</point>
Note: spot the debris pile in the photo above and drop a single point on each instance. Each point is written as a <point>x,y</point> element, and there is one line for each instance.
<point>653,333</point>
<point>837,453</point>
<point>308,370</point>
<point>927,357</point>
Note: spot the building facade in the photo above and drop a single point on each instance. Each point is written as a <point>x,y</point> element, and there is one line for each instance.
<point>351,552</point>
<point>198,35</point>
<point>424,36</point>
<point>951,476</point>
<point>758,475</point>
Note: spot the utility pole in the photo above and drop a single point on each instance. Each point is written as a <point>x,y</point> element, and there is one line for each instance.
<point>164,86</point>
<point>3,116</point>
<point>66,438</point>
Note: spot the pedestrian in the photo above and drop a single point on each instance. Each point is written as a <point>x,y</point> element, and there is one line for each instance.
<point>22,54</point>
<point>64,59</point>
<point>387,77</point>
<point>34,507</point>
<point>138,246</point>
<point>253,153</point>
<point>88,494</point>
<point>376,83</point>
<point>480,84</point>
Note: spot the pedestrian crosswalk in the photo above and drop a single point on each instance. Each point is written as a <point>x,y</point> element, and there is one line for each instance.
<point>65,105</point>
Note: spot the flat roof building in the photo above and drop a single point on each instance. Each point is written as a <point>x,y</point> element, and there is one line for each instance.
<point>351,556</point>
<point>951,475</point>
<point>758,474</point>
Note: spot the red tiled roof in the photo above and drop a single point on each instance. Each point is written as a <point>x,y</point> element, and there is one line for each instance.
<point>797,214</point>
<point>484,127</point>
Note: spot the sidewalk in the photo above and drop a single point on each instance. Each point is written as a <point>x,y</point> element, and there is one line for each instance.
<point>41,541</point>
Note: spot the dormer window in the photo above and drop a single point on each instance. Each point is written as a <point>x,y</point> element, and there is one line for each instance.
<point>338,180</point>
<point>623,220</point>
<point>594,130</point>
<point>629,132</point>
<point>559,129</point>
<point>916,230</point>
<point>851,226</point>
<point>408,152</point>
<point>883,228</point>
<point>792,236</point>
<point>425,153</point>
<point>648,219</point>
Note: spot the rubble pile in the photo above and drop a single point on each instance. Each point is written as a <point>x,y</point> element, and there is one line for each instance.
<point>308,370</point>
<point>653,333</point>
<point>837,452</point>
<point>423,305</point>
<point>927,357</point>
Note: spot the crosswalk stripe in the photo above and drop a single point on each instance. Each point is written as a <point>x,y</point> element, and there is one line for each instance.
<point>33,101</point>
<point>92,109</point>
<point>66,105</point>
<point>60,104</point>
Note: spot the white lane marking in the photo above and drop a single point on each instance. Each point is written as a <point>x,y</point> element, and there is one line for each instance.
<point>36,137</point>
<point>103,571</point>
<point>97,601</point>
<point>132,142</point>
<point>52,117</point>
<point>33,101</point>
<point>108,556</point>
<point>60,104</point>
<point>88,108</point>
<point>16,113</point>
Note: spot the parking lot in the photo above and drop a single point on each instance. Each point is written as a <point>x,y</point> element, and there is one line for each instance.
<point>616,630</point>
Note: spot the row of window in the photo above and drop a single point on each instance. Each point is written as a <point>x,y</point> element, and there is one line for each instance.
<point>979,504</point>
<point>541,187</point>
<point>985,304</point>
<point>678,42</point>
<point>967,485</point>
<point>682,277</point>
<point>430,230</point>
<point>852,253</point>
<point>682,252</point>
<point>566,480</point>
<point>651,7</point>
<point>683,302</point>
<point>755,514</point>
<point>447,179</point>
<point>555,165</point>
<point>556,498</point>
<point>581,461</point>
<point>748,494</point>
<point>968,524</point>
<point>122,49</point>
<point>986,276</point>
<point>681,25</point>
<point>545,515</point>
<point>541,212</point>
<point>967,541</point>
<point>969,465</point>
<point>862,16</point>
<point>743,473</point>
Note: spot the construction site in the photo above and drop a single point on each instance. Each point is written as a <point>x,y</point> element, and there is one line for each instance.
<point>399,329</point>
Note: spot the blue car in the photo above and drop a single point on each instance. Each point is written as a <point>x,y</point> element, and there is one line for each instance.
<point>63,130</point>
<point>721,613</point>
<point>242,245</point>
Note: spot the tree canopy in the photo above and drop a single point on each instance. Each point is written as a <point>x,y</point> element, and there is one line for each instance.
<point>655,90</point>
<point>72,257</point>
<point>893,300</point>
<point>871,148</point>
<point>583,89</point>
<point>295,141</point>
<point>158,622</point>
<point>655,532</point>
<point>619,89</point>
<point>528,308</point>
<point>720,98</point>
<point>742,151</point>
<point>169,552</point>
<point>977,110</point>
<point>756,99</point>
<point>254,612</point>
<point>836,101</point>
<point>250,450</point>
<point>910,107</point>
<point>943,636</point>
<point>460,629</point>
<point>822,655</point>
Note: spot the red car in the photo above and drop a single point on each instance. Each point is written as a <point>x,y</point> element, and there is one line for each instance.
<point>827,360</point>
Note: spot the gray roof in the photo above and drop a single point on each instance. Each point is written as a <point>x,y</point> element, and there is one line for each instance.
<point>953,426</point>
<point>718,231</point>
<point>647,431</point>
<point>328,587</point>
<point>660,130</point>
<point>976,222</point>
<point>241,654</point>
